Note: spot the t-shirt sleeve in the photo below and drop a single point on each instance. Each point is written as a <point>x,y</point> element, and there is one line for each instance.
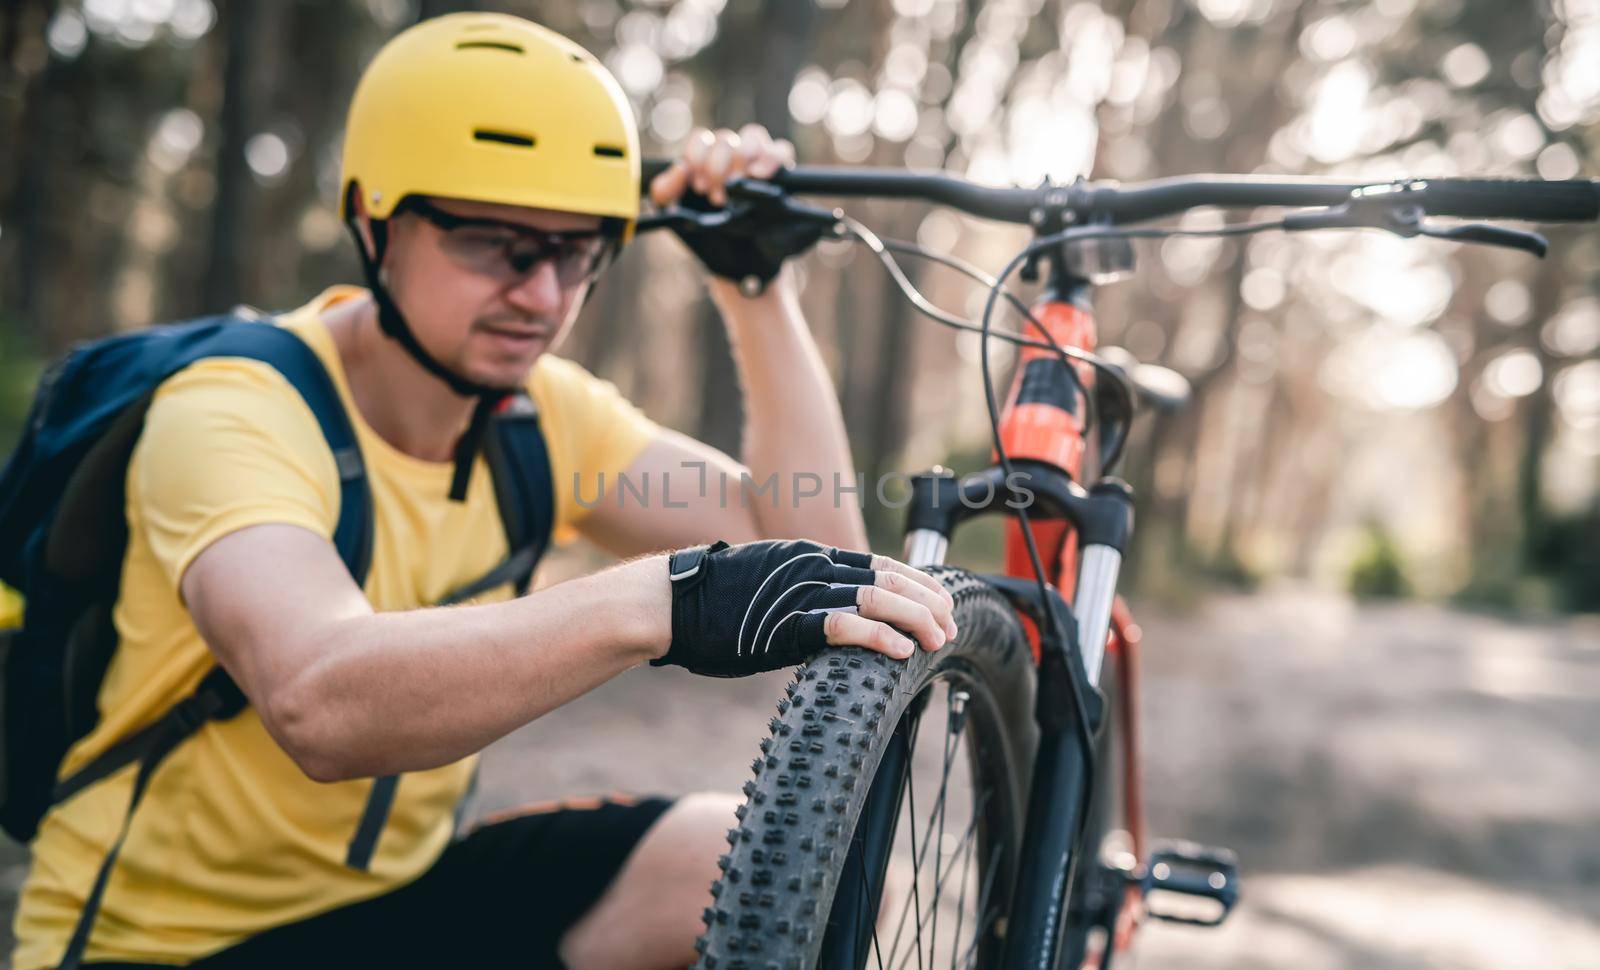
<point>228,444</point>
<point>591,431</point>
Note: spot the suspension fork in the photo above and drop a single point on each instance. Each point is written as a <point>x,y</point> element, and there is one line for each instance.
<point>1101,519</point>
<point>1062,778</point>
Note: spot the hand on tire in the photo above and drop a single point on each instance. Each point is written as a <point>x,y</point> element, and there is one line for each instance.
<point>739,610</point>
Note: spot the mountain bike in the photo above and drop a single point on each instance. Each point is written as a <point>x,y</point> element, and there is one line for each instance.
<point>980,806</point>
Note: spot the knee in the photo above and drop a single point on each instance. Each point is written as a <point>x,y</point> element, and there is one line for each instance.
<point>703,818</point>
<point>679,854</point>
<point>651,914</point>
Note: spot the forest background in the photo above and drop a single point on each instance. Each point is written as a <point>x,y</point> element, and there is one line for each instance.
<point>1402,417</point>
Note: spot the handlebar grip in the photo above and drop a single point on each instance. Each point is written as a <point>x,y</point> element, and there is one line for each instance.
<point>1571,200</point>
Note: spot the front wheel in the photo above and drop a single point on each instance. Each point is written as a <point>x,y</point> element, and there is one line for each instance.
<point>884,821</point>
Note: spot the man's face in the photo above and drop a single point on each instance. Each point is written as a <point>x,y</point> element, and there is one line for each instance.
<point>464,275</point>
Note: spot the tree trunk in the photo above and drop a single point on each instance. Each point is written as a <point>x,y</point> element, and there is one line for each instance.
<point>43,115</point>
<point>229,221</point>
<point>767,68</point>
<point>1538,414</point>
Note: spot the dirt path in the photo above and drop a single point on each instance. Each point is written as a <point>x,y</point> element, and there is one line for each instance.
<point>1407,786</point>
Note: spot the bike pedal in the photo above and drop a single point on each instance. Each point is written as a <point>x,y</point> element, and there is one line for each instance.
<point>1189,883</point>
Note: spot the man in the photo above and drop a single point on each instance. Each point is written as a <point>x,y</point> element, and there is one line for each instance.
<point>490,168</point>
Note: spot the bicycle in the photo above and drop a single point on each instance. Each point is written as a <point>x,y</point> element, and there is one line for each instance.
<point>1040,688</point>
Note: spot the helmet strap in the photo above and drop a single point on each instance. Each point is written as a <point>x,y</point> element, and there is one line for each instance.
<point>393,324</point>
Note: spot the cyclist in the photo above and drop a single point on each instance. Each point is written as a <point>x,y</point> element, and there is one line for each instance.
<point>490,169</point>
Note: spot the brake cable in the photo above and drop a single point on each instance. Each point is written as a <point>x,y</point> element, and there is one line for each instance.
<point>881,248</point>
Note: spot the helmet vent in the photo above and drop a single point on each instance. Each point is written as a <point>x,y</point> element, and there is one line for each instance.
<point>609,151</point>
<point>493,45</point>
<point>503,137</point>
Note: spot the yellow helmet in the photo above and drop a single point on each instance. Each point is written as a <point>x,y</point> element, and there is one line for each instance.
<point>491,108</point>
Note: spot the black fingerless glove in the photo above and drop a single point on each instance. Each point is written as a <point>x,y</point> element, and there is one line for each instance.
<point>760,233</point>
<point>739,610</point>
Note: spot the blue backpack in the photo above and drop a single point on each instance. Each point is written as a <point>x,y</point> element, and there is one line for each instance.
<point>63,533</point>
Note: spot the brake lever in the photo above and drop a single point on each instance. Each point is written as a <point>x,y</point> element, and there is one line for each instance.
<point>1480,232</point>
<point>1378,212</point>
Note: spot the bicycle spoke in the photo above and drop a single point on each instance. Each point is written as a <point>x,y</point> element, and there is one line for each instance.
<point>956,706</point>
<point>984,919</point>
<point>916,868</point>
<point>961,900</point>
<point>951,744</point>
<point>916,862</point>
<point>868,899</point>
<point>967,840</point>
<point>900,922</point>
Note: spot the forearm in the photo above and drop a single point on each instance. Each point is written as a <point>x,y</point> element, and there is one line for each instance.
<point>793,428</point>
<point>407,691</point>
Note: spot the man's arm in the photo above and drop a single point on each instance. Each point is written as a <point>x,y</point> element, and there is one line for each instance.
<point>799,481</point>
<point>793,427</point>
<point>351,693</point>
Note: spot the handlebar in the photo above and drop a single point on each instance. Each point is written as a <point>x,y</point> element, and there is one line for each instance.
<point>1533,200</point>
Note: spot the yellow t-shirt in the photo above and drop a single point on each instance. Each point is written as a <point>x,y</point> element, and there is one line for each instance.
<point>232,838</point>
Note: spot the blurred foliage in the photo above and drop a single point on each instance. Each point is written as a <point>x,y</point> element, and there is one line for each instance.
<point>19,373</point>
<point>1568,556</point>
<point>168,158</point>
<point>1377,571</point>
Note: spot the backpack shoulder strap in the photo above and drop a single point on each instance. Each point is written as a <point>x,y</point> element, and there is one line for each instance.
<point>217,698</point>
<point>519,462</point>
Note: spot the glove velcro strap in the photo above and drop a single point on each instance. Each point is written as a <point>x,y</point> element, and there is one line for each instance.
<point>685,564</point>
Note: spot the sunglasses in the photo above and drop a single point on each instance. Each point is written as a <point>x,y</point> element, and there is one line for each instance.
<point>507,252</point>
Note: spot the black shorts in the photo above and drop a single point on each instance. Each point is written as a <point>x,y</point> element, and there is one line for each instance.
<point>502,896</point>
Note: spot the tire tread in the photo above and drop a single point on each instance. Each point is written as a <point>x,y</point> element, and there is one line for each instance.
<point>771,904</point>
